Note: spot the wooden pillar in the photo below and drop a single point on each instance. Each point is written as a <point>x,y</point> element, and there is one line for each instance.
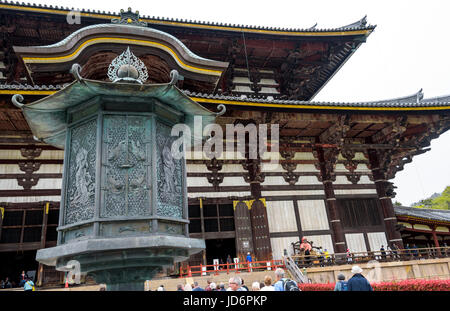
<point>382,185</point>
<point>202,222</point>
<point>327,160</point>
<point>2,215</point>
<point>43,241</point>
<point>24,215</point>
<point>436,241</point>
<point>334,218</point>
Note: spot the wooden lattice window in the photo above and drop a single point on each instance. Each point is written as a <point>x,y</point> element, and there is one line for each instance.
<point>359,213</point>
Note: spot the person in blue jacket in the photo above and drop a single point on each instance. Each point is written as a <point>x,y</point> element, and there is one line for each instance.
<point>358,282</point>
<point>341,284</point>
<point>28,285</point>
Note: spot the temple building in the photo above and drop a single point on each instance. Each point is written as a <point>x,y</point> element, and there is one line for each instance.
<point>424,227</point>
<point>331,185</point>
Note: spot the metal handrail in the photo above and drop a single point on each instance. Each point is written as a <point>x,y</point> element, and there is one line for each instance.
<point>239,267</point>
<point>361,257</point>
<point>294,270</point>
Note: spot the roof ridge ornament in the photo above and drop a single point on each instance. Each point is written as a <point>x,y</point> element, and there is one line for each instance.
<point>419,96</point>
<point>361,23</point>
<point>127,68</point>
<point>129,18</point>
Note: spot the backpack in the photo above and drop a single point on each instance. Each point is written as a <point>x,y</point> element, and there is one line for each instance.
<point>290,286</point>
<point>343,287</point>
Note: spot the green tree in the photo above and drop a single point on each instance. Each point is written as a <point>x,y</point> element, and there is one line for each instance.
<point>441,201</point>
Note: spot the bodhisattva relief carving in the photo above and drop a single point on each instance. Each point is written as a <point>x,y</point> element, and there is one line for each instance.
<point>126,184</point>
<point>81,180</point>
<point>169,175</point>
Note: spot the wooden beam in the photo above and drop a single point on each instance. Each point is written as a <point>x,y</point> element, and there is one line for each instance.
<point>30,193</point>
<point>38,176</point>
<point>43,161</point>
<point>18,147</point>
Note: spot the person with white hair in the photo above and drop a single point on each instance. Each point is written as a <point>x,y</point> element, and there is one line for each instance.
<point>358,282</point>
<point>279,275</point>
<point>213,286</point>
<point>188,287</point>
<point>255,286</point>
<point>235,284</point>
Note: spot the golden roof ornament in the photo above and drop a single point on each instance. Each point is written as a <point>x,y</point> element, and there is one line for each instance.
<point>129,18</point>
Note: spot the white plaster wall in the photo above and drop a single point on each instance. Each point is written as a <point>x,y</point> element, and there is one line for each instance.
<point>292,192</point>
<point>274,180</point>
<point>280,244</point>
<point>267,82</point>
<point>354,191</point>
<point>196,168</point>
<point>198,182</point>
<point>217,194</point>
<point>304,156</point>
<point>45,155</point>
<point>308,180</point>
<point>30,199</point>
<point>233,181</point>
<point>313,215</point>
<point>270,167</point>
<point>376,239</point>
<point>232,168</point>
<point>306,168</point>
<point>355,242</point>
<point>281,216</point>
<point>269,90</point>
<point>43,183</point>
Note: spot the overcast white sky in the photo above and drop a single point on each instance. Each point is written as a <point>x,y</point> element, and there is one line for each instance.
<point>409,50</point>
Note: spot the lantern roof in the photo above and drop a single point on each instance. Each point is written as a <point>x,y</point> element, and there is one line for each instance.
<point>48,120</point>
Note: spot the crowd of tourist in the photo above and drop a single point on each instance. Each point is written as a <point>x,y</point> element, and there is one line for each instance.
<point>356,283</point>
<point>237,284</point>
<point>23,281</point>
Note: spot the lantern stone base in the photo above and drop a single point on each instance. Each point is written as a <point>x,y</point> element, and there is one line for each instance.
<point>121,263</point>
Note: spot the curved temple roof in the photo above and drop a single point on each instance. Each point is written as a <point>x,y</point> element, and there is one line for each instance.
<point>410,102</point>
<point>360,25</point>
<point>72,47</point>
<point>429,214</point>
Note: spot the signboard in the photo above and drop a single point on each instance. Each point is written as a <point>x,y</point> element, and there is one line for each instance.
<point>216,264</point>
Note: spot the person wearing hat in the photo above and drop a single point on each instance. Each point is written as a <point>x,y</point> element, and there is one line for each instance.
<point>341,284</point>
<point>358,282</point>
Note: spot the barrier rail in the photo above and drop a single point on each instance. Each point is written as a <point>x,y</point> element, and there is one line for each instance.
<point>202,270</point>
<point>318,260</point>
<point>363,257</point>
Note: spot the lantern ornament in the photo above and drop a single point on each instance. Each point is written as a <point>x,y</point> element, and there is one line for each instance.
<point>127,68</point>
